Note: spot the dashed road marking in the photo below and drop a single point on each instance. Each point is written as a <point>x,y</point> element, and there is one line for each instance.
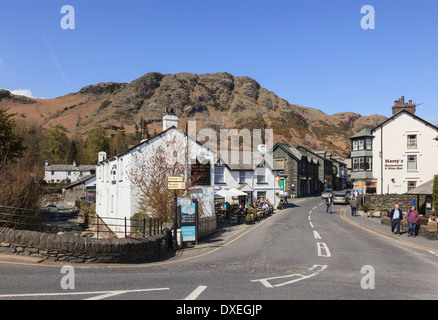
<point>195,294</point>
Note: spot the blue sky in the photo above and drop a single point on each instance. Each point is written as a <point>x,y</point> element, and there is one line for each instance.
<point>309,52</point>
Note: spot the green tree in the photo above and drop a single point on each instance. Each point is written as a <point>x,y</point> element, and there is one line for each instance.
<point>119,142</point>
<point>435,194</point>
<point>11,143</point>
<point>97,141</point>
<point>55,144</point>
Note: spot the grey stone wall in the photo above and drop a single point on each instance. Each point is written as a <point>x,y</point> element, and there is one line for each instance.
<point>388,201</point>
<point>74,249</point>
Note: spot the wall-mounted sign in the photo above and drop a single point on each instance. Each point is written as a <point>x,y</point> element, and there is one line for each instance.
<point>200,174</point>
<point>391,164</point>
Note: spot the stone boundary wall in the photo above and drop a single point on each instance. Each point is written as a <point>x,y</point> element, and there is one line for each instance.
<point>388,201</point>
<point>74,249</point>
<point>207,226</point>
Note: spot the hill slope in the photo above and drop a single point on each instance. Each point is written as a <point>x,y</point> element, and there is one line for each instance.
<point>217,100</point>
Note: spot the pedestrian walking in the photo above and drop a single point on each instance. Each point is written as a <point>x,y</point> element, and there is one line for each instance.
<point>412,217</point>
<point>353,206</point>
<point>396,216</point>
<point>329,202</point>
<point>286,195</point>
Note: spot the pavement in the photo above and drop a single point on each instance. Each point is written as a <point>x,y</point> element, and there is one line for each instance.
<point>373,225</point>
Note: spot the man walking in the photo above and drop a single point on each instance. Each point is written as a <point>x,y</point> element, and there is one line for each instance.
<point>353,206</point>
<point>329,202</point>
<point>396,217</point>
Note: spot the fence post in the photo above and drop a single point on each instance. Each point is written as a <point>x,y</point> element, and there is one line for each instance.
<point>125,226</point>
<point>144,227</point>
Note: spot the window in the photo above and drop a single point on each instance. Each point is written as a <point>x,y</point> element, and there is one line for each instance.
<point>362,164</point>
<point>361,144</point>
<point>241,176</point>
<point>412,185</point>
<point>261,194</point>
<point>368,144</point>
<point>355,145</point>
<point>368,164</point>
<point>412,140</point>
<point>279,164</point>
<point>219,175</point>
<point>261,175</point>
<point>412,162</point>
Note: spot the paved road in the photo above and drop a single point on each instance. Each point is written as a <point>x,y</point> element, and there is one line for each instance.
<point>299,253</point>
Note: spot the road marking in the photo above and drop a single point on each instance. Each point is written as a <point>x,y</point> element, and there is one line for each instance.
<point>315,207</point>
<point>308,218</point>
<point>311,224</point>
<point>310,212</point>
<point>299,277</point>
<point>195,294</point>
<point>322,246</point>
<point>433,253</point>
<point>316,234</point>
<point>101,294</point>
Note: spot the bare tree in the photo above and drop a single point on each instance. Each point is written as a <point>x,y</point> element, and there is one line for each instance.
<point>150,176</point>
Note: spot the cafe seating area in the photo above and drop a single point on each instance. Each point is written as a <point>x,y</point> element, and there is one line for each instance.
<point>235,214</point>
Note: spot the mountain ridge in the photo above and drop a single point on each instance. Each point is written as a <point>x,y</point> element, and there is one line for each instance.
<point>215,100</point>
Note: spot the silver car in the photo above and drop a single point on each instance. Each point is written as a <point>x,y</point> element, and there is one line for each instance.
<point>326,193</point>
<point>340,198</point>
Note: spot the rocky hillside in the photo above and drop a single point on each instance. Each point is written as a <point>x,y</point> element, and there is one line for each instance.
<point>217,100</point>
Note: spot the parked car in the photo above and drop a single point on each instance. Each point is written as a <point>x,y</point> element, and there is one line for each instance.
<point>340,198</point>
<point>326,193</point>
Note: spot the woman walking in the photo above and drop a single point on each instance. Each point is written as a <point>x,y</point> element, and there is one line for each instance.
<point>412,217</point>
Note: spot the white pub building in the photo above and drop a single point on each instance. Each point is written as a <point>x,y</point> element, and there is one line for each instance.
<point>398,155</point>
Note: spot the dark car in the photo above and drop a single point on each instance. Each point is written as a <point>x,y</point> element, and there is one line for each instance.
<point>340,198</point>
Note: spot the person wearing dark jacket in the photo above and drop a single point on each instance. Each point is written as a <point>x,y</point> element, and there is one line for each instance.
<point>396,216</point>
<point>353,206</point>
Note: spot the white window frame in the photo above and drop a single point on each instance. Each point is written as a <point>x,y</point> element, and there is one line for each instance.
<point>412,164</point>
<point>219,177</point>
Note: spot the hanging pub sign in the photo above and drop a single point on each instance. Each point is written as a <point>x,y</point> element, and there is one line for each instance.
<point>188,213</point>
<point>200,174</point>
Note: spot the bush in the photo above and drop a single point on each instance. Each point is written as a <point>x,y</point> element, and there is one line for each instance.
<point>367,207</point>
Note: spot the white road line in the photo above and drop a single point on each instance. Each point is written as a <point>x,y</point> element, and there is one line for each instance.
<point>321,246</point>
<point>308,218</point>
<point>316,234</point>
<point>299,277</point>
<point>310,212</point>
<point>315,207</point>
<point>311,224</point>
<point>433,253</point>
<point>195,294</point>
<point>100,294</point>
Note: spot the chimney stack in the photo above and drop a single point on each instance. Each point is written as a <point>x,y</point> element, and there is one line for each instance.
<point>400,105</point>
<point>170,120</point>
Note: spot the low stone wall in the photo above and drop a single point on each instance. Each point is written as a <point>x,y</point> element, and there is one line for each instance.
<point>388,201</point>
<point>207,226</point>
<point>74,249</point>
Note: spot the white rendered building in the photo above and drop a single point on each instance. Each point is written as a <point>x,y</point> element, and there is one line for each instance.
<point>398,155</point>
<point>117,195</point>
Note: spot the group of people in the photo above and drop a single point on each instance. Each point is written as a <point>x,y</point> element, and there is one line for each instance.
<point>396,216</point>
